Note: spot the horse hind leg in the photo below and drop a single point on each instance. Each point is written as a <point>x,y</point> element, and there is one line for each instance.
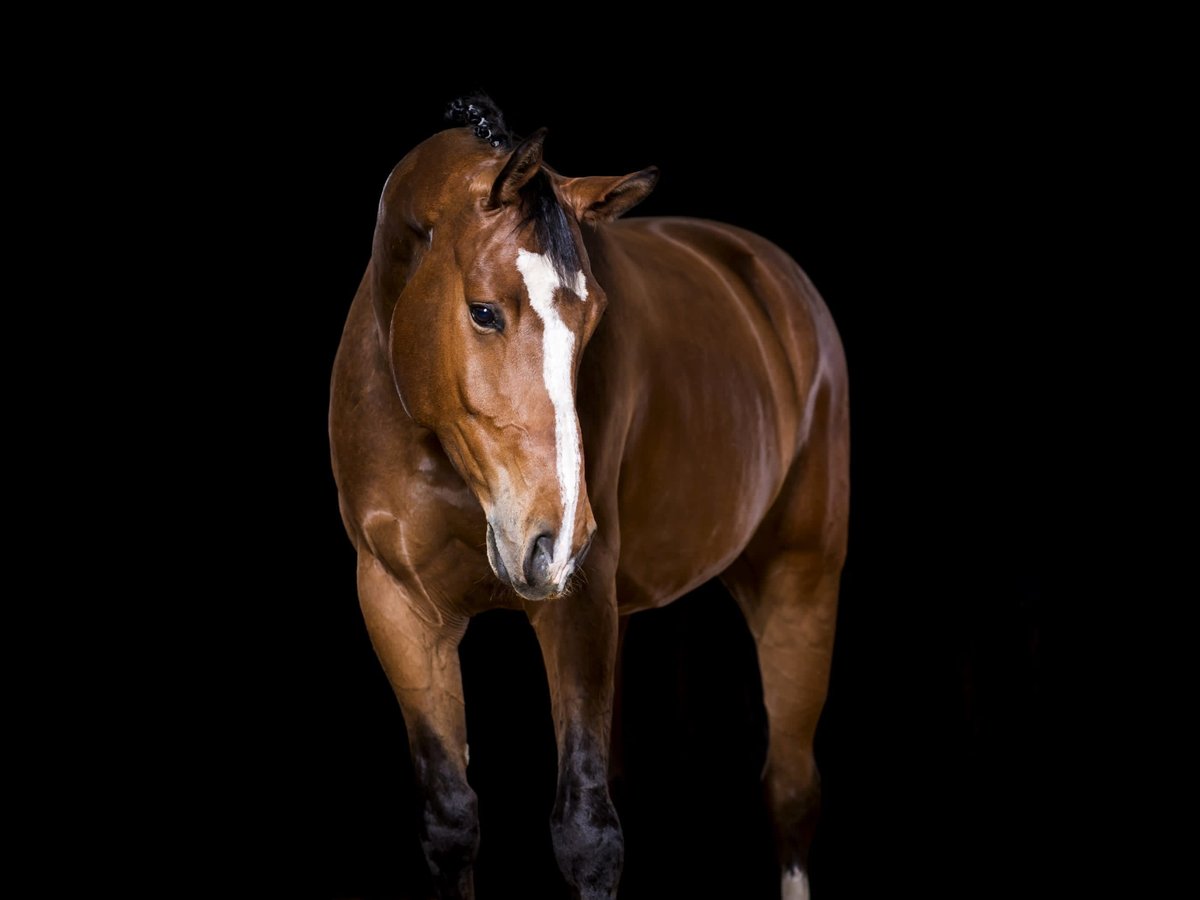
<point>791,609</point>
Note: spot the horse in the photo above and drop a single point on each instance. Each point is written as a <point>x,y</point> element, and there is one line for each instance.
<point>540,406</point>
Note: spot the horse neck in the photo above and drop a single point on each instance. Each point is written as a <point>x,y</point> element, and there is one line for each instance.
<point>603,252</point>
<point>397,250</point>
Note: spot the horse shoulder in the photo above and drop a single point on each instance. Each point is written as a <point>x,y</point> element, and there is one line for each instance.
<point>401,500</point>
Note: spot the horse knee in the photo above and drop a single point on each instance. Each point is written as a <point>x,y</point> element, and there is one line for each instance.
<point>587,839</point>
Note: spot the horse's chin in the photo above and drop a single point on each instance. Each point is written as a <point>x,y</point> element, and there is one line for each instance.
<point>527,593</point>
<point>531,592</point>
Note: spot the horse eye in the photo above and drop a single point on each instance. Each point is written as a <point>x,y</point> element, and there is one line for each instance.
<point>484,316</point>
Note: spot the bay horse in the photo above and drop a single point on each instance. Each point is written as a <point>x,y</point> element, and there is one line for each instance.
<point>536,406</point>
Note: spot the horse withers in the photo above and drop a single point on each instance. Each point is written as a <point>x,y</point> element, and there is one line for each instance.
<point>537,406</point>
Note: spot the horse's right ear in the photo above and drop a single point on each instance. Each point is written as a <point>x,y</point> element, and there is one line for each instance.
<point>600,198</point>
<point>523,163</point>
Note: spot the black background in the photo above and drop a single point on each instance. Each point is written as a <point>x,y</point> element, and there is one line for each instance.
<point>916,204</point>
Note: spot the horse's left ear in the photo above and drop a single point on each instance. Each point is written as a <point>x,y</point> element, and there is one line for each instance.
<point>522,165</point>
<point>602,198</point>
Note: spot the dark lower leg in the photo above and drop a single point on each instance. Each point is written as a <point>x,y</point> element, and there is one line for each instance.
<point>584,827</point>
<point>794,794</point>
<point>449,819</point>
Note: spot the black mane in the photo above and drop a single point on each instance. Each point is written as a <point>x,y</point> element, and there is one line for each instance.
<point>542,206</point>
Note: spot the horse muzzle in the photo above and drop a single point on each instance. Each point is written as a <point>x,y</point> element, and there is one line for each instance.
<point>531,570</point>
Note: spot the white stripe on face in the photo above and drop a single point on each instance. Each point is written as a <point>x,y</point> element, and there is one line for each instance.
<point>558,352</point>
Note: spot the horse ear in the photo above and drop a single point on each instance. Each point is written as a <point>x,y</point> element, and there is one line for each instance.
<point>602,198</point>
<point>523,163</point>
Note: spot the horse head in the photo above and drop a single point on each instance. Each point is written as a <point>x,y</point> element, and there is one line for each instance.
<point>483,288</point>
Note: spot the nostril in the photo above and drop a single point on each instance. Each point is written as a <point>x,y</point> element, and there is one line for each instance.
<point>537,563</point>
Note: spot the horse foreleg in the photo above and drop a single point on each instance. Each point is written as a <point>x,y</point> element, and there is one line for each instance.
<point>616,743</point>
<point>419,654</point>
<point>578,637</point>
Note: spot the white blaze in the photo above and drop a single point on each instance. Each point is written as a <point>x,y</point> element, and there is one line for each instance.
<point>795,885</point>
<point>558,353</point>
